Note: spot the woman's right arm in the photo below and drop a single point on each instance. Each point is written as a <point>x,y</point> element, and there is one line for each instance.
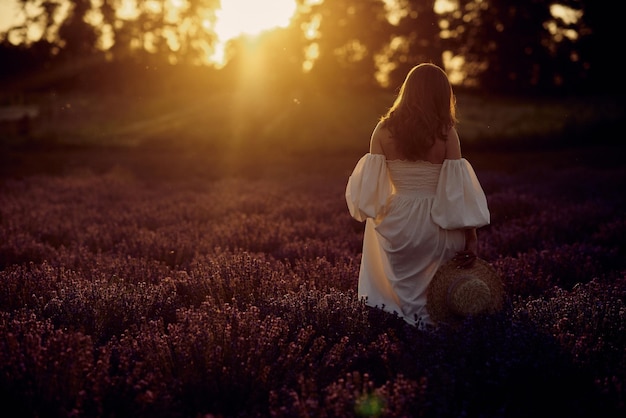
<point>471,240</point>
<point>453,152</point>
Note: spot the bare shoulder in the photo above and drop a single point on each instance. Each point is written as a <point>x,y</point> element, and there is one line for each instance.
<point>379,138</point>
<point>453,145</point>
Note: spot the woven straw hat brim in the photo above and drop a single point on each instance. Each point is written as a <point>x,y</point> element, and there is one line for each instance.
<point>449,273</point>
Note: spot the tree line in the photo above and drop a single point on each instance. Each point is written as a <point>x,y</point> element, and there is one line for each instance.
<point>504,47</point>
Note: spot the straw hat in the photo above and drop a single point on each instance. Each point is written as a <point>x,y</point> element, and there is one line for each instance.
<point>464,286</point>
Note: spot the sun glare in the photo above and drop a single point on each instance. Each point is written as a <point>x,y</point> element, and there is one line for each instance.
<point>249,17</point>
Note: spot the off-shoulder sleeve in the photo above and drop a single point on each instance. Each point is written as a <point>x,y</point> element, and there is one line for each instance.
<point>460,201</point>
<point>368,187</point>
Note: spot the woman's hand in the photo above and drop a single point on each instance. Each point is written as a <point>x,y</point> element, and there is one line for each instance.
<point>464,259</point>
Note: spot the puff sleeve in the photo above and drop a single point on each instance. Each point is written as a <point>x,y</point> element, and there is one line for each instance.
<point>369,187</point>
<point>460,201</point>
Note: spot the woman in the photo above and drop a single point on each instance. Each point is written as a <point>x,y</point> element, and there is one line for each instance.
<point>421,201</point>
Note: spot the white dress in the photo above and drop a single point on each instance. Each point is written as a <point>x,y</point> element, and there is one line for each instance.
<point>414,213</point>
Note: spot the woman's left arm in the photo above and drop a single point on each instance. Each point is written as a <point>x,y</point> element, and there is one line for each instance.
<point>376,146</point>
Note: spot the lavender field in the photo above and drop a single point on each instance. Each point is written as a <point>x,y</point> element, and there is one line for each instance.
<point>174,284</point>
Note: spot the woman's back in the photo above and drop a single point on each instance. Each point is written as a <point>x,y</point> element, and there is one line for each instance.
<point>383,143</point>
<point>414,178</point>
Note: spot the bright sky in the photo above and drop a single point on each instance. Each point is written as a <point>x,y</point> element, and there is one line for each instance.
<point>8,13</point>
<point>252,16</point>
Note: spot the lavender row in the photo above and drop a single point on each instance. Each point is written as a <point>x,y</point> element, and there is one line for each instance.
<point>236,297</point>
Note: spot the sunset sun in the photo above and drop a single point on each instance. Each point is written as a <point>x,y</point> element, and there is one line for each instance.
<point>249,17</point>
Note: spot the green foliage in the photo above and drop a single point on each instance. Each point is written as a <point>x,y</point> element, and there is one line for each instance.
<point>302,121</point>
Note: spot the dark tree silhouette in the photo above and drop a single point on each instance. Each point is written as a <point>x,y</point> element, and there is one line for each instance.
<point>422,41</point>
<point>19,62</point>
<point>503,43</point>
<point>600,44</point>
<point>569,66</point>
<point>508,47</point>
<point>350,34</point>
<point>76,37</point>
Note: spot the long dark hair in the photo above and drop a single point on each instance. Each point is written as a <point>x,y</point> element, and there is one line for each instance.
<point>424,110</point>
